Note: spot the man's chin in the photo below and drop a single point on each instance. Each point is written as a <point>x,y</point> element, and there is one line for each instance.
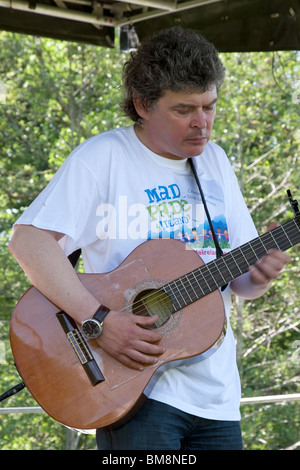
<point>195,148</point>
<point>198,151</point>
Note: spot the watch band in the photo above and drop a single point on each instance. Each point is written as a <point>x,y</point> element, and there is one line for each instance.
<point>101,313</point>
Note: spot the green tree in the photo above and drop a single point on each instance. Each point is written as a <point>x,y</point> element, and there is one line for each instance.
<point>258,126</point>
<point>57,94</point>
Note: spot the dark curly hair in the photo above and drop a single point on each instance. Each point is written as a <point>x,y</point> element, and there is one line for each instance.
<point>174,59</point>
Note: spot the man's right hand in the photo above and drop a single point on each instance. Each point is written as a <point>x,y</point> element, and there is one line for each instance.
<point>126,338</point>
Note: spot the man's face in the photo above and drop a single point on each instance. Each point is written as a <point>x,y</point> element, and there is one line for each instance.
<point>179,125</point>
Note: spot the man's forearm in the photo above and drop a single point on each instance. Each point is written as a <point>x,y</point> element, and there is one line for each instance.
<point>48,269</point>
<point>260,276</point>
<point>125,336</point>
<point>244,288</point>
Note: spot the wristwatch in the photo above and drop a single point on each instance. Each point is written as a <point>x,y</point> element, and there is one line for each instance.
<point>92,327</point>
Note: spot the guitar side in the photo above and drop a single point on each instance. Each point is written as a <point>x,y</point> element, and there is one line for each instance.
<point>50,368</point>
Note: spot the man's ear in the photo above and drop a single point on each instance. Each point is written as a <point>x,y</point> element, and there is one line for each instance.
<point>140,107</point>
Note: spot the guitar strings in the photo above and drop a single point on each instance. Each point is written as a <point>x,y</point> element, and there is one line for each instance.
<point>211,271</point>
<point>232,266</point>
<point>190,285</point>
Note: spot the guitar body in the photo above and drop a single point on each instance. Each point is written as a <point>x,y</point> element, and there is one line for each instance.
<point>52,371</point>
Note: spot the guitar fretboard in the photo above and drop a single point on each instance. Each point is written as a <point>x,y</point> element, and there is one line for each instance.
<point>217,273</point>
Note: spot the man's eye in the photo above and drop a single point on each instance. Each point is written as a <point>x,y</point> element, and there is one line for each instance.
<point>183,111</point>
<point>208,109</point>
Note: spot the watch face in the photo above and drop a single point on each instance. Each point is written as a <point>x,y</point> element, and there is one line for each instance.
<point>91,329</point>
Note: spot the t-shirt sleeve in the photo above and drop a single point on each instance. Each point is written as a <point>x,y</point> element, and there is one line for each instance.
<point>240,223</point>
<point>67,205</point>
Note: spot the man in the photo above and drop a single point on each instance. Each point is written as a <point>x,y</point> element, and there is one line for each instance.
<point>128,185</point>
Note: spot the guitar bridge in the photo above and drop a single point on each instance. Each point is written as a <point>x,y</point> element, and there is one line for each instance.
<point>80,348</point>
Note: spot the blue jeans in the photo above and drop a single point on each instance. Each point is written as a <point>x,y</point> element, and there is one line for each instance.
<point>158,426</point>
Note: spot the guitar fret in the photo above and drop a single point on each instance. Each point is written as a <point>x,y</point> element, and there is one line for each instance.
<point>191,292</point>
<point>192,287</point>
<point>285,241</point>
<point>274,240</point>
<point>255,256</point>
<point>198,284</point>
<point>221,276</point>
<point>210,279</point>
<point>173,296</point>
<point>187,292</point>
<point>180,292</point>
<point>229,275</point>
<point>259,248</point>
<point>232,257</point>
<point>245,259</point>
<point>264,247</point>
<point>204,279</point>
<point>290,243</point>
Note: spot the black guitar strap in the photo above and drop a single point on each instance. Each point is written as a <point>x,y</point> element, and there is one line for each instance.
<point>219,250</point>
<point>74,257</point>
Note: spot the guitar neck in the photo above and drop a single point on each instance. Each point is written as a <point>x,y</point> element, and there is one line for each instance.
<point>218,273</point>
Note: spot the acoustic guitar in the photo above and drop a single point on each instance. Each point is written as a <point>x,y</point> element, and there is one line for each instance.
<point>83,387</point>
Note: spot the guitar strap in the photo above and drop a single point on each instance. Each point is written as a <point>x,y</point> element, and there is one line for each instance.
<point>74,257</point>
<point>219,250</point>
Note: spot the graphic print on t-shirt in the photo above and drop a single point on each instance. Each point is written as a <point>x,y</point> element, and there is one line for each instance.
<point>178,213</point>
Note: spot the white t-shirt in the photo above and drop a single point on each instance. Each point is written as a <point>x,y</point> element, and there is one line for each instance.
<point>111,194</point>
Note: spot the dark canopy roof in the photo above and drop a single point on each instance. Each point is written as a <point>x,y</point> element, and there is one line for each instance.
<point>232,25</point>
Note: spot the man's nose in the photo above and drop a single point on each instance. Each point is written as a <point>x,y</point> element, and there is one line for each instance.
<point>198,119</point>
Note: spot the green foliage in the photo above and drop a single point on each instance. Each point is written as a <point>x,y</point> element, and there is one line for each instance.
<point>258,125</point>
<point>263,424</point>
<point>58,94</point>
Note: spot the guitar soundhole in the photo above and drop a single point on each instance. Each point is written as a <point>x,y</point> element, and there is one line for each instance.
<point>153,302</point>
